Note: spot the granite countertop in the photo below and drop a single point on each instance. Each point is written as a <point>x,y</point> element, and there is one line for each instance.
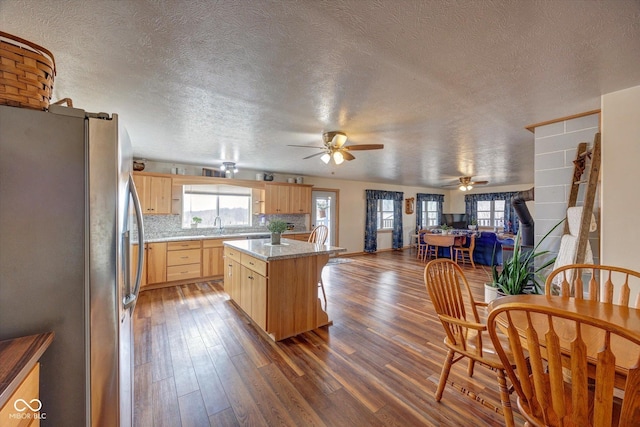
<point>17,357</point>
<point>213,236</point>
<point>264,250</point>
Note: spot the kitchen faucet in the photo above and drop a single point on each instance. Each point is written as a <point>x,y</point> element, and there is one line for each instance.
<point>219,225</point>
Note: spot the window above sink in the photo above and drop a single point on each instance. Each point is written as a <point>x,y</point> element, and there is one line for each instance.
<point>218,205</point>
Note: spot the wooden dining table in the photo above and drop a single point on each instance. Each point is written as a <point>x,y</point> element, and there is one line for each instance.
<point>627,317</point>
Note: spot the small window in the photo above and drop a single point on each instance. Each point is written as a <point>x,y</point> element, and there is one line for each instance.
<point>385,214</point>
<point>429,214</point>
<point>231,204</point>
<point>491,213</point>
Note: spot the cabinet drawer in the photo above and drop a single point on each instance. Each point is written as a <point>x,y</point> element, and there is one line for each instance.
<point>254,264</point>
<point>212,243</point>
<point>28,390</point>
<point>187,256</point>
<point>233,254</point>
<point>185,244</point>
<point>181,272</point>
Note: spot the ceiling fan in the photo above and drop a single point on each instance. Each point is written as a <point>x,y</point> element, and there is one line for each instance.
<point>466,183</point>
<point>335,149</point>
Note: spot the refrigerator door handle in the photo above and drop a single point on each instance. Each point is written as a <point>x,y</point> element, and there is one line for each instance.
<point>130,300</point>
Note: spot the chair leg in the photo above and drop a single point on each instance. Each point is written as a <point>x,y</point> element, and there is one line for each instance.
<point>446,368</point>
<point>324,295</point>
<point>505,400</point>
<point>472,364</point>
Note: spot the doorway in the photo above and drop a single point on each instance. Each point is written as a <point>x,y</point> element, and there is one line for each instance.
<point>324,208</point>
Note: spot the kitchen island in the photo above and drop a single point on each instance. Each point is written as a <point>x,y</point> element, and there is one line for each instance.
<point>277,285</point>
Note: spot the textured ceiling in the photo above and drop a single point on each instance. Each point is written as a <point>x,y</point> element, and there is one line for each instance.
<point>448,87</point>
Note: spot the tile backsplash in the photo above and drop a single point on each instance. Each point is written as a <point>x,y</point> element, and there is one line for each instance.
<point>160,226</point>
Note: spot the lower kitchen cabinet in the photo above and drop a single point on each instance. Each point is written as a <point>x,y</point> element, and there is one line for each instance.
<point>246,283</point>
<point>156,263</point>
<point>135,250</point>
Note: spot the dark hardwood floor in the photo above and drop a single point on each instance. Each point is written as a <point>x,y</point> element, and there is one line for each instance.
<point>199,361</point>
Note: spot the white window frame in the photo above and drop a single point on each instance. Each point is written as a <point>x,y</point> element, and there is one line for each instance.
<point>380,215</point>
<point>427,219</point>
<point>496,216</point>
<point>208,222</point>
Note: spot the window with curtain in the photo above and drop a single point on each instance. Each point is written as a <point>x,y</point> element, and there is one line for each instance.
<point>428,210</point>
<point>490,213</point>
<point>377,203</point>
<point>498,212</point>
<point>385,214</point>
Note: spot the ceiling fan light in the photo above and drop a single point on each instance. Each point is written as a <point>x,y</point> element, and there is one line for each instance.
<point>463,188</point>
<point>339,139</point>
<point>338,157</point>
<point>469,187</point>
<point>326,157</point>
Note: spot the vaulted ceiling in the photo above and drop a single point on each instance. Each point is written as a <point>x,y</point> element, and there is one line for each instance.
<point>448,87</point>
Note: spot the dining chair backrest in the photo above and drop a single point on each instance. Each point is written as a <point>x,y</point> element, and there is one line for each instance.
<point>569,280</point>
<point>451,295</point>
<point>319,234</point>
<point>566,365</point>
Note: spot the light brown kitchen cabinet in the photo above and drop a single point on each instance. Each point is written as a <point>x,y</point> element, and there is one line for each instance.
<point>232,275</point>
<point>276,199</point>
<point>156,263</point>
<point>287,198</point>
<point>258,198</point>
<point>212,259</point>
<point>184,260</point>
<point>154,193</point>
<point>246,283</point>
<point>300,199</point>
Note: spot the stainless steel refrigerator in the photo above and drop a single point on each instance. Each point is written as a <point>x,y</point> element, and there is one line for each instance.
<point>67,208</point>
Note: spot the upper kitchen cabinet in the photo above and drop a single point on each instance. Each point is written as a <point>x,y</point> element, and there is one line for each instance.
<point>300,199</point>
<point>287,198</point>
<point>154,193</point>
<point>276,199</point>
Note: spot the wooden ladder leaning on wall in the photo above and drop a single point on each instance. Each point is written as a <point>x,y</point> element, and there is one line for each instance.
<point>579,168</point>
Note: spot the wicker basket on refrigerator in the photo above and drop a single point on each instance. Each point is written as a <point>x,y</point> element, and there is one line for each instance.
<point>26,73</point>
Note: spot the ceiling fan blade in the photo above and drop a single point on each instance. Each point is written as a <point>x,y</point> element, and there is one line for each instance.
<point>479,182</point>
<point>365,147</point>
<point>313,155</point>
<point>338,140</point>
<point>347,155</point>
<point>304,146</point>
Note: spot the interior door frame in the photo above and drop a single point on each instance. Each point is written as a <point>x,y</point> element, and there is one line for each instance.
<point>336,237</point>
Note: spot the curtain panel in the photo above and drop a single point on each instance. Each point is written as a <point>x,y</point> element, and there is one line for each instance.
<point>424,197</point>
<point>511,222</point>
<point>370,226</point>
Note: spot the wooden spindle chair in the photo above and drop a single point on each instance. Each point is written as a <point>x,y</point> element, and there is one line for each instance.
<point>466,335</point>
<point>562,379</point>
<point>465,253</point>
<point>569,281</point>
<point>319,235</point>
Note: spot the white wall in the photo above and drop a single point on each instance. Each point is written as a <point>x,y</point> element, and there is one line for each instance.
<point>352,210</point>
<point>620,178</point>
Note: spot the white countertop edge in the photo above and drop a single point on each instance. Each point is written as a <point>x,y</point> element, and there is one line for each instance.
<point>293,249</point>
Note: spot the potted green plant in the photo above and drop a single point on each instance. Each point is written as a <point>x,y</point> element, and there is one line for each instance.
<point>195,221</point>
<point>473,225</point>
<point>276,227</point>
<point>445,228</point>
<point>518,274</point>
